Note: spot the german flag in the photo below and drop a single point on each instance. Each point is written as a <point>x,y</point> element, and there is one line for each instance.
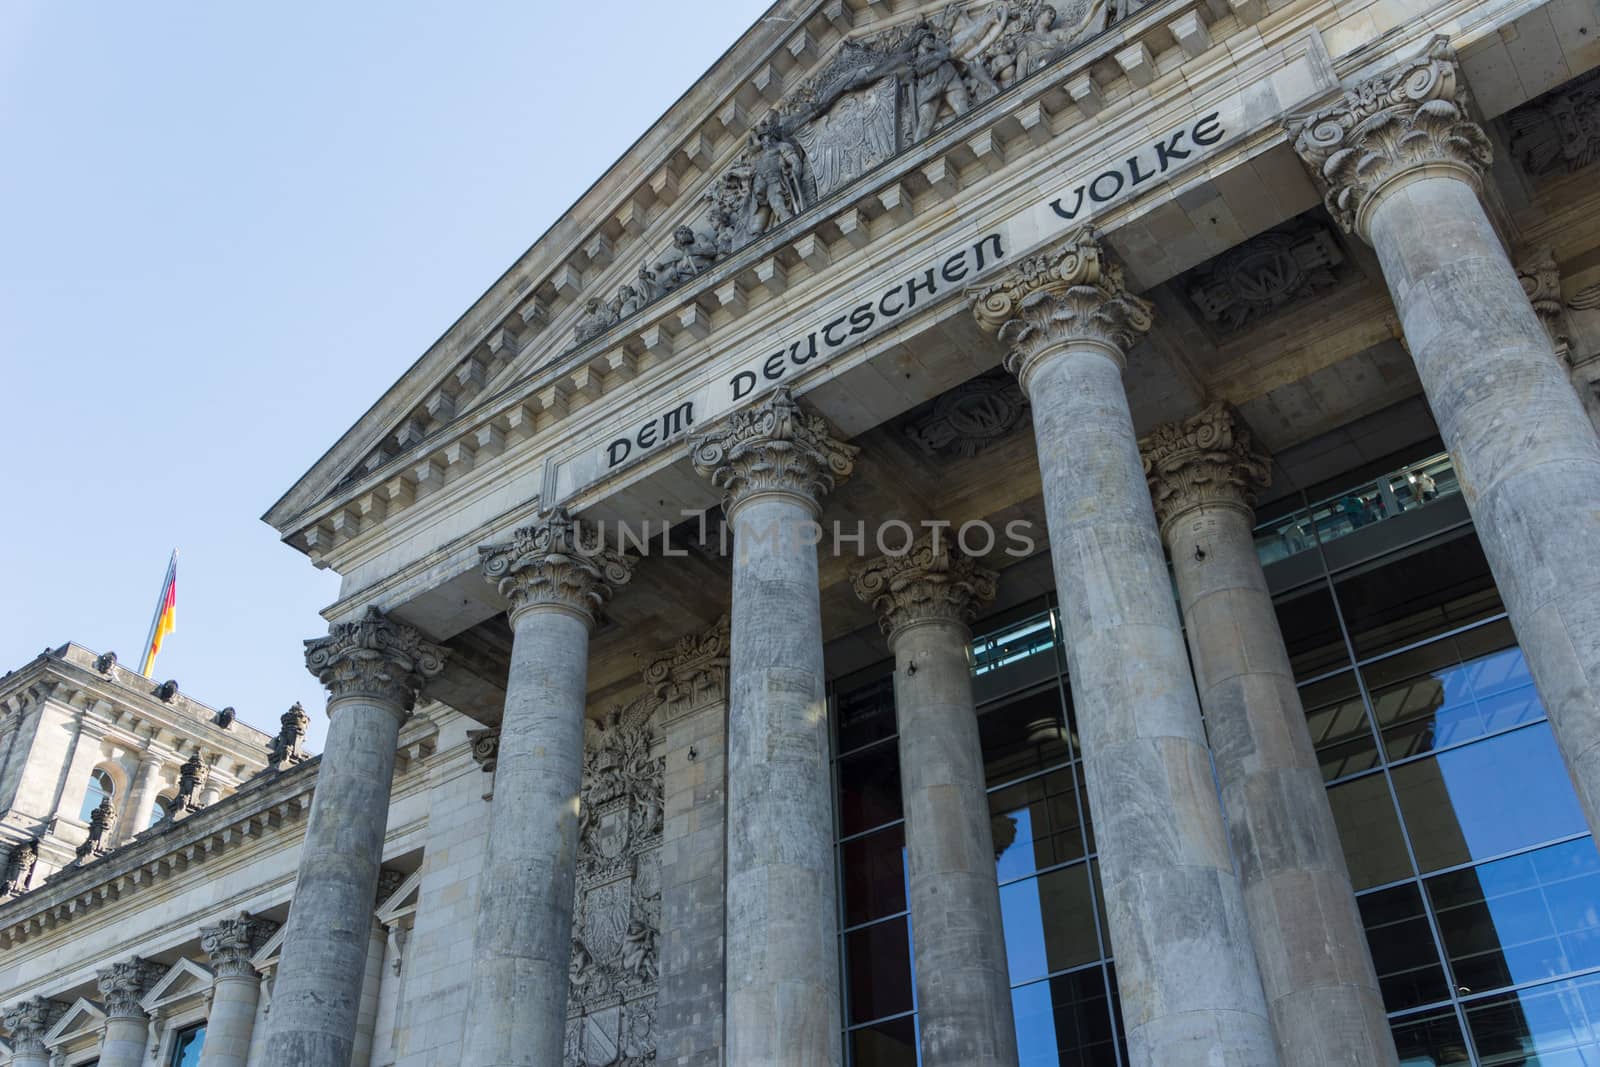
<point>166,619</point>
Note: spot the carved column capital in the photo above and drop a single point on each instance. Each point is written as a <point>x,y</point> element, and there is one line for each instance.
<point>123,984</point>
<point>230,944</point>
<point>692,674</point>
<point>1205,460</point>
<point>1410,120</point>
<point>930,583</point>
<point>375,658</point>
<point>29,1020</point>
<point>551,564</point>
<point>1070,293</point>
<point>773,448</point>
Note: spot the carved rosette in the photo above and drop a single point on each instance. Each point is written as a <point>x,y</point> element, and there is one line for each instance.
<point>27,1021</point>
<point>1206,460</point>
<point>930,583</point>
<point>1067,293</point>
<point>230,944</point>
<point>374,658</point>
<point>773,448</point>
<point>549,564</point>
<point>692,674</point>
<point>123,984</point>
<point>1413,117</point>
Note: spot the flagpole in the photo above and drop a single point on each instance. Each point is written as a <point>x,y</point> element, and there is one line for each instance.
<point>149,663</point>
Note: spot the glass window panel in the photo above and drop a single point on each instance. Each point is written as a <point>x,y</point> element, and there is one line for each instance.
<point>886,1044</point>
<point>1023,735</point>
<point>1311,632</point>
<point>873,870</point>
<point>865,713</point>
<point>1521,919</point>
<point>1065,1022</point>
<point>1049,923</point>
<point>1556,1025</point>
<point>1495,796</point>
<point>1430,1040</point>
<point>1373,845</point>
<point>1415,595</point>
<point>1036,824</point>
<point>1014,656</point>
<point>878,962</point>
<point>869,788</point>
<point>101,788</point>
<point>186,1047</point>
<point>1337,718</point>
<point>1403,952</point>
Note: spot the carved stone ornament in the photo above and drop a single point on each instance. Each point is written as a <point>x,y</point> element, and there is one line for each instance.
<point>105,661</point>
<point>1410,117</point>
<point>374,658</point>
<point>27,1021</point>
<point>773,447</point>
<point>1252,280</point>
<point>969,418</point>
<point>101,822</point>
<point>1067,293</point>
<point>123,984</point>
<point>552,564</point>
<point>1559,130</point>
<point>692,674</point>
<point>930,583</point>
<point>485,747</point>
<point>286,747</point>
<point>20,862</point>
<point>230,944</point>
<point>1206,459</point>
<point>191,779</point>
<point>1541,280</point>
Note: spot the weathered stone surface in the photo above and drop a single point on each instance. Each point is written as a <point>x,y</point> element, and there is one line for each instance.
<point>121,985</point>
<point>235,990</point>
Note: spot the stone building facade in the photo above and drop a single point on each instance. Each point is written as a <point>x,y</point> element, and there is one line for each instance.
<point>997,534</point>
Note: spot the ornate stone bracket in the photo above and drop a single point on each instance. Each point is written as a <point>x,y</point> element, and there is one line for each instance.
<point>486,753</point>
<point>1205,460</point>
<point>930,583</point>
<point>773,448</point>
<point>231,943</point>
<point>691,675</point>
<point>374,658</point>
<point>123,984</point>
<point>549,564</point>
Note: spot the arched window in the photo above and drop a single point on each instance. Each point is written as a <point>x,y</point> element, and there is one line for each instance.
<point>100,788</point>
<point>159,811</point>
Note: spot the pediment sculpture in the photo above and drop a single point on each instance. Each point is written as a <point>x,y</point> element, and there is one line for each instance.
<point>877,96</point>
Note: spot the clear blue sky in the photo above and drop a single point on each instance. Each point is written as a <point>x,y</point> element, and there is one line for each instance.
<point>225,229</point>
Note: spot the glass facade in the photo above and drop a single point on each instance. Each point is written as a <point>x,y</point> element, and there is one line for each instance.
<point>186,1046</point>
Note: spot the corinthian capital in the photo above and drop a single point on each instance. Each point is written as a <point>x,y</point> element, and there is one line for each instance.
<point>774,447</point>
<point>1204,460</point>
<point>232,942</point>
<point>1068,293</point>
<point>123,984</point>
<point>931,582</point>
<point>549,564</point>
<point>29,1020</point>
<point>376,658</point>
<point>1400,122</point>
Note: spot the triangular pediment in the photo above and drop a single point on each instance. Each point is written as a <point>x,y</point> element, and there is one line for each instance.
<point>267,955</point>
<point>82,1018</point>
<point>186,979</point>
<point>402,901</point>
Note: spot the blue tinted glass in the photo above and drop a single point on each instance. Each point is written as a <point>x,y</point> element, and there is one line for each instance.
<point>186,1047</point>
<point>1555,1025</point>
<point>1065,1020</point>
<point>1049,923</point>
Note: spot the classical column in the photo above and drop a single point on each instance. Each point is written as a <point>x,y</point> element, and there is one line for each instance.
<point>141,797</point>
<point>1322,991</point>
<point>1191,994</point>
<point>522,948</point>
<point>373,669</point>
<point>1403,166</point>
<point>775,463</point>
<point>235,988</point>
<point>122,986</point>
<point>924,600</point>
<point>27,1021</point>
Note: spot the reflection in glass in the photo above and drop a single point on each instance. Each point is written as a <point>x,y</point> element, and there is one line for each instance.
<point>886,1044</point>
<point>1337,718</point>
<point>873,870</point>
<point>1548,1025</point>
<point>1023,736</point>
<point>1403,952</point>
<point>1036,824</point>
<point>1374,847</point>
<point>878,963</point>
<point>1311,632</point>
<point>1065,1021</point>
<point>1412,596</point>
<point>865,713</point>
<point>869,788</point>
<point>186,1047</point>
<point>1049,923</point>
<point>1432,1039</point>
<point>101,789</point>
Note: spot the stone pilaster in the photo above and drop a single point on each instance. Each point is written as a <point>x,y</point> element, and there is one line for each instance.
<point>1191,994</point>
<point>27,1021</point>
<point>235,988</point>
<point>373,669</point>
<point>1403,164</point>
<point>141,797</point>
<point>1322,991</point>
<point>775,463</point>
<point>924,600</point>
<point>556,583</point>
<point>122,986</point>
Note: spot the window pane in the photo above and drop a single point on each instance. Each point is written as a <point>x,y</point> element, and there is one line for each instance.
<point>1337,718</point>
<point>1018,655</point>
<point>1409,972</point>
<point>1065,1022</point>
<point>1521,919</point>
<point>1023,736</point>
<point>1494,796</point>
<point>878,959</point>
<point>865,714</point>
<point>100,789</point>
<point>873,870</point>
<point>1036,824</point>
<point>1049,923</point>
<point>890,1044</point>
<point>1311,632</point>
<point>1431,1039</point>
<point>186,1047</point>
<point>869,788</point>
<point>1417,595</point>
<point>1369,831</point>
<point>1556,1025</point>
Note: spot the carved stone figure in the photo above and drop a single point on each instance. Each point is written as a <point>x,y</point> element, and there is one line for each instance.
<point>778,185</point>
<point>191,778</point>
<point>105,661</point>
<point>690,254</point>
<point>1559,130</point>
<point>101,822</point>
<point>598,317</point>
<point>20,862</point>
<point>1046,38</point>
<point>286,748</point>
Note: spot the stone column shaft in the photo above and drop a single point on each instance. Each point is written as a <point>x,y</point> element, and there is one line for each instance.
<point>1403,164</point>
<point>522,945</point>
<point>1322,992</point>
<point>141,798</point>
<point>373,670</point>
<point>1191,994</point>
<point>924,600</point>
<point>782,989</point>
